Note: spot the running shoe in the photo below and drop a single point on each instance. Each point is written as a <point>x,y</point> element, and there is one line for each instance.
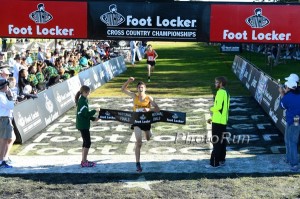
<point>5,165</point>
<point>284,160</point>
<point>212,167</point>
<point>222,163</point>
<point>139,167</point>
<point>87,164</point>
<point>9,161</point>
<point>294,168</point>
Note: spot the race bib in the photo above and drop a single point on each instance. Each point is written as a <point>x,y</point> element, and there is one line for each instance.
<point>151,58</point>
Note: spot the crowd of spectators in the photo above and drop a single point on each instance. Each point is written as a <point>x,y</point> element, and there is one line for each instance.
<point>275,52</point>
<point>29,73</point>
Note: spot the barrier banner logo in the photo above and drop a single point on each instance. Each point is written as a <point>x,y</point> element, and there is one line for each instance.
<point>263,88</point>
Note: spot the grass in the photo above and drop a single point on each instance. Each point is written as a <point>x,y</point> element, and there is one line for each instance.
<point>184,70</point>
<point>283,69</point>
<point>163,186</point>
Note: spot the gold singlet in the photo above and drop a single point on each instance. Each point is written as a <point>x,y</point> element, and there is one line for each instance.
<point>139,105</point>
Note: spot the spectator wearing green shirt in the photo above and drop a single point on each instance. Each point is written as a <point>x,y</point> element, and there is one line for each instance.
<point>51,75</point>
<point>40,75</point>
<point>83,117</point>
<point>32,76</point>
<point>73,67</point>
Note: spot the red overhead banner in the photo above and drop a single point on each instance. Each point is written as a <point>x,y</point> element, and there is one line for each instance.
<point>243,23</point>
<point>255,23</point>
<point>43,19</point>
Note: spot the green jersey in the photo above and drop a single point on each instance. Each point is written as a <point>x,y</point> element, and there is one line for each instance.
<point>220,109</point>
<point>83,114</point>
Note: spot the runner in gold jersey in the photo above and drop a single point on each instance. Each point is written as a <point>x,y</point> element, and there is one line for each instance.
<point>141,103</point>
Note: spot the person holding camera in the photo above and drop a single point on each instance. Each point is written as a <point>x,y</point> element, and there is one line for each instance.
<point>290,97</point>
<point>7,135</point>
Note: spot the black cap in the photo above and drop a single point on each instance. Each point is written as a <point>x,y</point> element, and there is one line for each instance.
<point>17,57</point>
<point>3,82</point>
